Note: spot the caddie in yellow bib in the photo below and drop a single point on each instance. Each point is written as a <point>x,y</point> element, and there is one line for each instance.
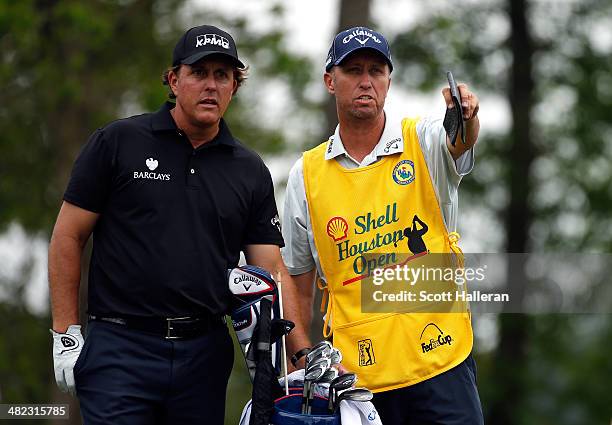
<point>379,195</point>
<point>387,208</point>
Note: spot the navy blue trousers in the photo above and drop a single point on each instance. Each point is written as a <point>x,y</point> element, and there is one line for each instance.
<point>125,376</point>
<point>450,398</point>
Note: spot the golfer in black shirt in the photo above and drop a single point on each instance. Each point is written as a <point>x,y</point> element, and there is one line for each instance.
<point>171,199</point>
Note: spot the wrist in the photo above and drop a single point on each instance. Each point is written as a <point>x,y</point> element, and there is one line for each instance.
<point>62,327</point>
<point>298,356</point>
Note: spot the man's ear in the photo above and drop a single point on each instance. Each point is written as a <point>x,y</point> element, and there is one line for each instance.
<point>173,80</point>
<point>328,79</point>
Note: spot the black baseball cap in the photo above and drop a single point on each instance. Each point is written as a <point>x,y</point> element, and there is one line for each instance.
<point>202,41</point>
<point>353,39</point>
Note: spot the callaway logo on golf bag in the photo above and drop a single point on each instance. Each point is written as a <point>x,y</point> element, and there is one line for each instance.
<point>250,285</point>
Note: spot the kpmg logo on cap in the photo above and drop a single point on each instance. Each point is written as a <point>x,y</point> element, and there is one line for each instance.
<point>214,39</point>
<point>362,36</point>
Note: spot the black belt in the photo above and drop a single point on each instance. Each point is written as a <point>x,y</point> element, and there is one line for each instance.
<point>166,327</point>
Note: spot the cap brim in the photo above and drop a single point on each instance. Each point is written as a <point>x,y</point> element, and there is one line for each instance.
<point>357,49</point>
<point>198,56</point>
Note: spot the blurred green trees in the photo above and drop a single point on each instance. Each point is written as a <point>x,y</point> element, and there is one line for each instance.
<point>66,68</point>
<point>546,178</point>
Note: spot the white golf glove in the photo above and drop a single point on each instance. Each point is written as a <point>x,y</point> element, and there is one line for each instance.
<point>66,349</point>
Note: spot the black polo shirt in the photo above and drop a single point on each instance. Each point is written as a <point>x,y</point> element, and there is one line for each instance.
<point>173,218</point>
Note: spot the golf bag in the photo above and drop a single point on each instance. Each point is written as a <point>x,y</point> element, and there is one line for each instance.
<point>256,321</point>
<point>287,412</point>
<point>287,409</point>
<point>250,285</point>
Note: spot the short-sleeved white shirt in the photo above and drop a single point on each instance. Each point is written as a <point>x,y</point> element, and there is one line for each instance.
<point>300,253</point>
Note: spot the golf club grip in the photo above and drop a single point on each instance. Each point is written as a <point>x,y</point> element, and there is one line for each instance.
<point>283,341</point>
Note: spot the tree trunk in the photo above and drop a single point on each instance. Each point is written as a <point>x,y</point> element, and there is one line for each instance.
<point>511,360</point>
<point>351,14</point>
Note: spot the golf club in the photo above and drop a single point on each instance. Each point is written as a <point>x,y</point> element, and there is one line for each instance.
<point>319,356</point>
<point>313,373</point>
<point>325,364</point>
<point>322,343</point>
<point>335,356</point>
<point>329,376</point>
<point>324,361</point>
<point>342,382</point>
<point>317,350</point>
<point>283,343</point>
<point>353,394</point>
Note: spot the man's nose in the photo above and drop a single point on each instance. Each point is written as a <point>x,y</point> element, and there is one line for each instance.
<point>210,83</point>
<point>365,81</point>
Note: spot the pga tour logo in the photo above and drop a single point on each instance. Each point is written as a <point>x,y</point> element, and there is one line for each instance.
<point>214,39</point>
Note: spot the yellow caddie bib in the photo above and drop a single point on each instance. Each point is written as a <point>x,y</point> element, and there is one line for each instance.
<point>374,213</point>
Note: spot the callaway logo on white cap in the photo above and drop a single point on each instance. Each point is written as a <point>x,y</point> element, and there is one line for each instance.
<point>217,40</point>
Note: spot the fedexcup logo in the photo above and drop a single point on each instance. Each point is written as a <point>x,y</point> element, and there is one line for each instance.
<point>151,163</point>
<point>214,39</point>
<point>434,338</point>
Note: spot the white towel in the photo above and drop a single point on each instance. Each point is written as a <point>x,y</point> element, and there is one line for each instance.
<point>358,413</point>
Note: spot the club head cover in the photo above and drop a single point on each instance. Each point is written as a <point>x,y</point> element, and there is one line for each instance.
<point>249,285</point>
<point>280,328</point>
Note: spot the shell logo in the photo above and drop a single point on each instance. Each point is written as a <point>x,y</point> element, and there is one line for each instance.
<point>337,228</point>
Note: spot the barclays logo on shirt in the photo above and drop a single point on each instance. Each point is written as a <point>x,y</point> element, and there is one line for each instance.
<point>151,164</point>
